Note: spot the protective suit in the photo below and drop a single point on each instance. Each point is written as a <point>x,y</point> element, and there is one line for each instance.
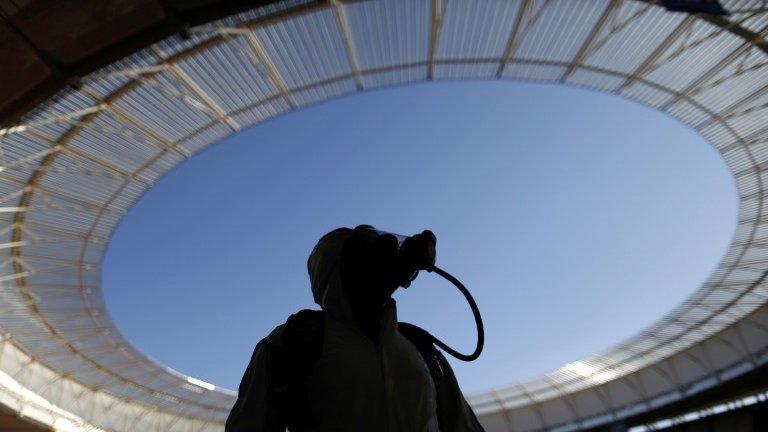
<point>354,382</point>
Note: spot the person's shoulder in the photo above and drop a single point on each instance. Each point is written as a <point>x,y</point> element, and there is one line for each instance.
<point>303,324</point>
<point>305,328</point>
<point>275,337</point>
<point>267,344</point>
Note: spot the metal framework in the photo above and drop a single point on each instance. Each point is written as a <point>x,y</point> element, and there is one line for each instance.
<point>71,168</point>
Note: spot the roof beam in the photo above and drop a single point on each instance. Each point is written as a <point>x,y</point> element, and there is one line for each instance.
<point>649,64</point>
<point>518,28</point>
<point>693,88</point>
<point>62,286</point>
<point>733,110</point>
<point>261,59</point>
<point>586,48</point>
<point>752,40</point>
<point>75,153</point>
<point>14,276</point>
<point>67,263</point>
<point>61,118</point>
<point>198,91</point>
<point>436,26</point>
<point>274,76</point>
<point>38,230</point>
<point>757,137</point>
<point>27,160</point>
<point>50,193</point>
<point>147,131</point>
<point>106,166</point>
<point>127,118</point>
<point>349,43</point>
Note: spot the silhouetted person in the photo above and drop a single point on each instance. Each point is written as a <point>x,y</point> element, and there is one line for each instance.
<point>352,367</point>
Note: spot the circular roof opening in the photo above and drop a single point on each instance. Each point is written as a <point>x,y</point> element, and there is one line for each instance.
<point>573,216</point>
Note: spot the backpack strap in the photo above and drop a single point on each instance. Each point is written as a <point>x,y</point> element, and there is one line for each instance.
<point>422,340</point>
<point>453,411</point>
<point>290,364</point>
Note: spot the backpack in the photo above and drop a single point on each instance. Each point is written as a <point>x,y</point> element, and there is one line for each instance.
<point>302,347</point>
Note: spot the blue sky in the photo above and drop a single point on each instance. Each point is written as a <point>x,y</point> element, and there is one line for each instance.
<point>575,218</point>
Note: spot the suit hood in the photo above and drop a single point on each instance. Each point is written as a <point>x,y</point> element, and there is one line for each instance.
<point>325,276</point>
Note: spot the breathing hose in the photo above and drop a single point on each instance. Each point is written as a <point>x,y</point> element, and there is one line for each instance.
<point>475,311</point>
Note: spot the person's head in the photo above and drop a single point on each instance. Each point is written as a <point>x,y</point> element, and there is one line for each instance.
<point>323,264</point>
<point>364,259</point>
<point>368,263</point>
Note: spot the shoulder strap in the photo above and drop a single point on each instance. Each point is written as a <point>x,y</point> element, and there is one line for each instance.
<point>422,340</point>
<point>453,412</point>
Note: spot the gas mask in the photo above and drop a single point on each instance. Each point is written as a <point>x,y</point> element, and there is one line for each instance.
<point>395,258</point>
<point>378,262</point>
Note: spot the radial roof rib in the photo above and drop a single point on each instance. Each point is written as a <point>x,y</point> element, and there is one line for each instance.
<point>650,62</point>
<point>605,19</point>
<point>525,17</point>
<point>752,39</point>
<point>435,25</point>
<point>349,43</point>
<point>194,88</point>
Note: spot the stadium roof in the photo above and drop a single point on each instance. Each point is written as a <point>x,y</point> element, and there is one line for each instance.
<point>101,133</point>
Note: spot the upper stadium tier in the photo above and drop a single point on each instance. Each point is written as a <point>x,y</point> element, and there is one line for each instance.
<point>101,98</point>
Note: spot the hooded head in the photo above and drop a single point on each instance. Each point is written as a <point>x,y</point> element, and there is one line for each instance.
<point>365,301</point>
<point>324,264</point>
